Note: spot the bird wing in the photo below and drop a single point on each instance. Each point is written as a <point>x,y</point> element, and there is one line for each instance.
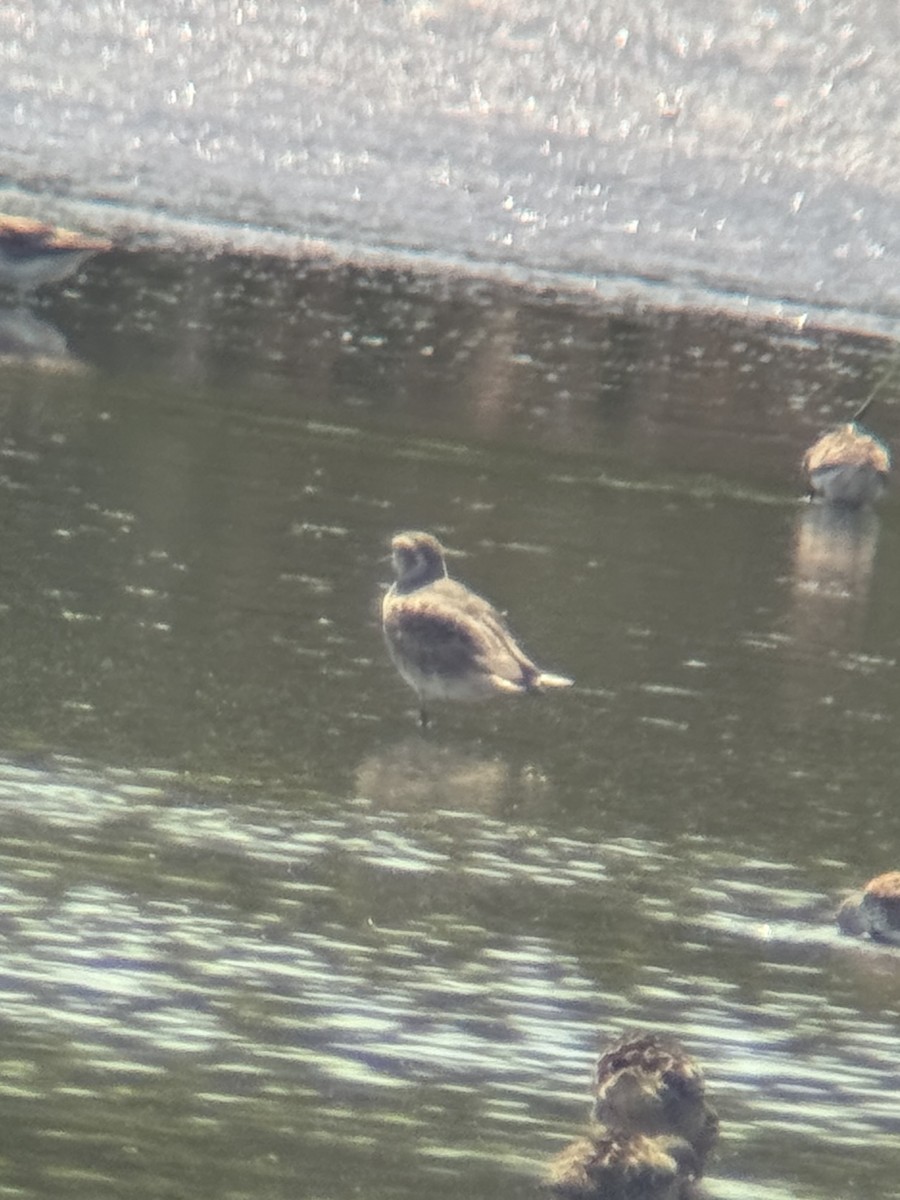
<point>448,629</point>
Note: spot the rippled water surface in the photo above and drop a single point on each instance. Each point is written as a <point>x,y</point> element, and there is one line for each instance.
<point>261,936</point>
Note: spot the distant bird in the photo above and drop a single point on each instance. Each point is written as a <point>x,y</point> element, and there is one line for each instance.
<point>650,1085</point>
<point>447,642</point>
<point>875,910</point>
<point>848,465</point>
<point>32,253</point>
<point>617,1166</point>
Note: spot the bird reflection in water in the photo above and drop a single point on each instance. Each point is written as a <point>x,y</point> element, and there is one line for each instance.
<point>29,339</point>
<point>652,1127</point>
<point>418,776</point>
<point>834,552</point>
<point>33,254</point>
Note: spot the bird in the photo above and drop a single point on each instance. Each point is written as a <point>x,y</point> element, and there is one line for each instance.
<point>875,910</point>
<point>648,1084</point>
<point>33,253</point>
<point>447,642</point>
<point>848,466</point>
<point>617,1166</point>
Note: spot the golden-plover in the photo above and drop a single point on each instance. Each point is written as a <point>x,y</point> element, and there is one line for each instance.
<point>446,641</point>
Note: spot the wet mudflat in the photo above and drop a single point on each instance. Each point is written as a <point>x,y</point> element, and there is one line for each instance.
<point>261,935</point>
<point>745,147</point>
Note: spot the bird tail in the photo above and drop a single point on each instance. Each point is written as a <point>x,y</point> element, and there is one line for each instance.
<point>547,680</point>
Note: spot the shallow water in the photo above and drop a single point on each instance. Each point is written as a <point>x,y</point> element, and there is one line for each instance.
<point>262,936</point>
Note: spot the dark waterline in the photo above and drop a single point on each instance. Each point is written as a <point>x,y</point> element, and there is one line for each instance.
<point>252,915</point>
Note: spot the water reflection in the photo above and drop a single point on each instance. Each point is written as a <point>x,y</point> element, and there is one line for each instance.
<point>452,974</point>
<point>26,338</point>
<point>278,936</point>
<point>834,557</point>
<point>834,553</point>
<point>423,776</point>
<point>393,354</point>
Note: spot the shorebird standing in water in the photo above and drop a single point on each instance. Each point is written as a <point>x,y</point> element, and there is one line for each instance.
<point>32,253</point>
<point>446,641</point>
<point>875,910</point>
<point>848,466</point>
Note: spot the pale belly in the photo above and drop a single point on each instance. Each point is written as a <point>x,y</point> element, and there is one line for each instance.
<point>474,685</point>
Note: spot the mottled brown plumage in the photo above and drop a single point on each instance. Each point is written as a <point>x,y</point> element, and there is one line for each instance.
<point>32,253</point>
<point>616,1166</point>
<point>875,910</point>
<point>847,466</point>
<point>446,641</point>
<point>648,1084</point>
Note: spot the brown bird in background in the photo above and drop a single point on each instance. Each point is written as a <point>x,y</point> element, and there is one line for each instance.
<point>446,641</point>
<point>848,466</point>
<point>875,910</point>
<point>32,253</point>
